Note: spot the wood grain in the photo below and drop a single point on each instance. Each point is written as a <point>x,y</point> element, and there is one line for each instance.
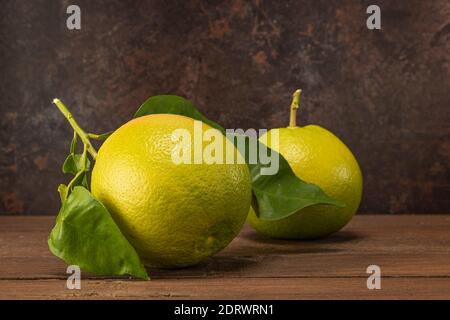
<point>412,251</point>
<point>230,288</point>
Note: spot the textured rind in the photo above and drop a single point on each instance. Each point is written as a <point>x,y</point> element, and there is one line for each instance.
<point>316,156</point>
<point>174,215</point>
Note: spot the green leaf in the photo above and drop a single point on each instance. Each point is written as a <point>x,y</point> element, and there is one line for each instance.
<point>173,105</point>
<point>63,192</point>
<point>73,164</point>
<point>86,235</point>
<point>282,194</point>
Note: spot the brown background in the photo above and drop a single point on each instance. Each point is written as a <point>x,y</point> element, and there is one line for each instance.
<point>385,93</point>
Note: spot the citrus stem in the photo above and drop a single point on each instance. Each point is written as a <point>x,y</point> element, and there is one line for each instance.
<point>81,133</point>
<point>294,107</point>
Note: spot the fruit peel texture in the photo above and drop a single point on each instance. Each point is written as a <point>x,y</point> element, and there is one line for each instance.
<point>316,156</point>
<point>174,215</point>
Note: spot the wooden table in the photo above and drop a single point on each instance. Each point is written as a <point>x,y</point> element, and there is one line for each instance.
<point>413,253</point>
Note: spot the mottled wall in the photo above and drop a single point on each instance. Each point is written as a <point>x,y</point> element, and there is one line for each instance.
<point>385,93</point>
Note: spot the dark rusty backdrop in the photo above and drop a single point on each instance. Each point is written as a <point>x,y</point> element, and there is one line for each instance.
<point>385,93</point>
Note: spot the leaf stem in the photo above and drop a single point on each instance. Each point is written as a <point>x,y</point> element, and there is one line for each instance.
<point>101,137</point>
<point>81,133</point>
<point>94,136</point>
<point>83,168</point>
<point>294,107</point>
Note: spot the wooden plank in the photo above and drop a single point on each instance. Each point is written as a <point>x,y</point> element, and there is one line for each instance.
<point>403,246</point>
<point>412,251</point>
<point>281,266</point>
<point>267,288</point>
